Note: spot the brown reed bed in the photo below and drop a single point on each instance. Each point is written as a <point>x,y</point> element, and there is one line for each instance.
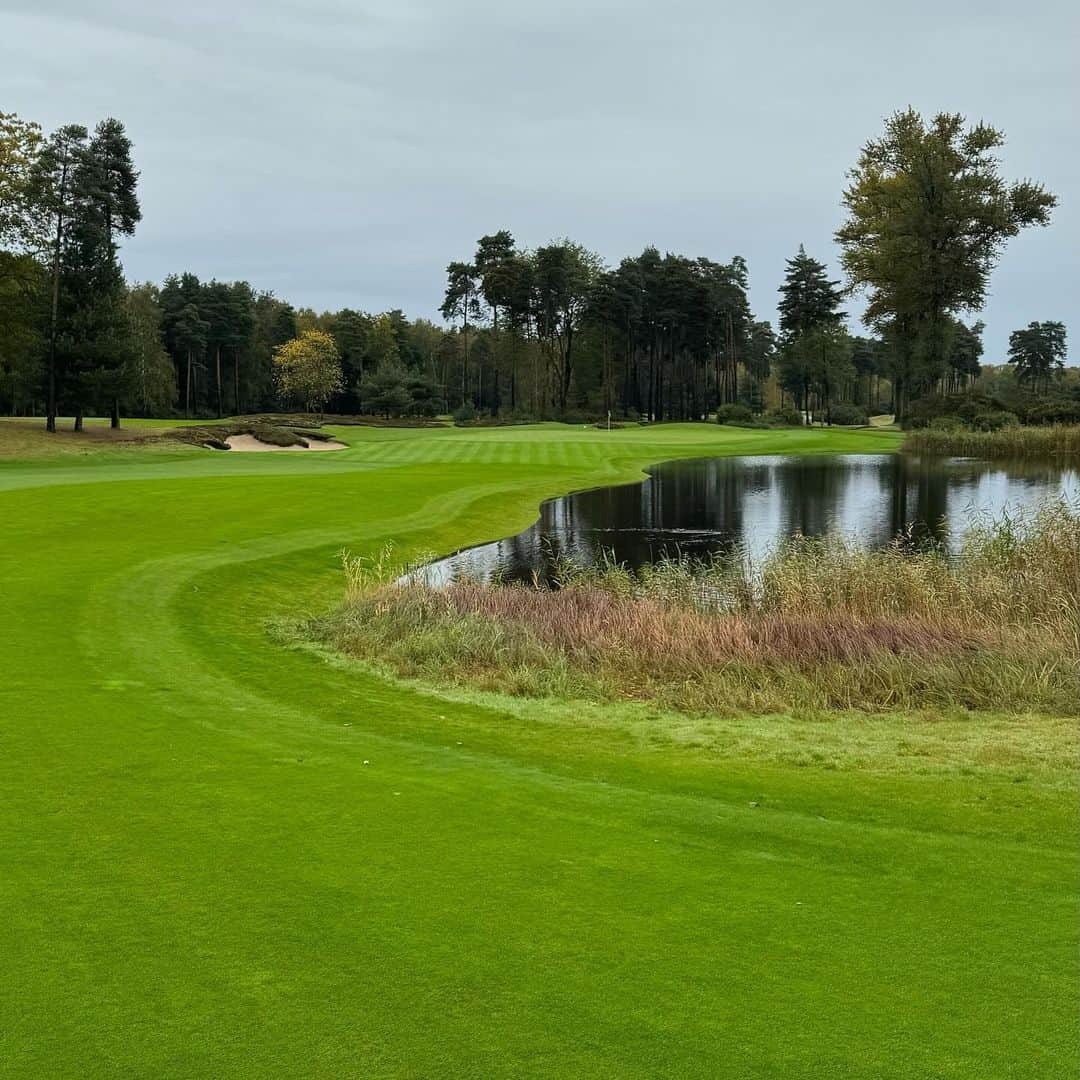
<point>819,625</point>
<point>1052,441</point>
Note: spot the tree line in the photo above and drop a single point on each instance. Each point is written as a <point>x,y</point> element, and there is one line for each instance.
<point>673,337</point>
<point>66,202</point>
<point>544,332</point>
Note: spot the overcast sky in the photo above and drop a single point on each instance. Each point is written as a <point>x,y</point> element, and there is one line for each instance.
<point>341,152</point>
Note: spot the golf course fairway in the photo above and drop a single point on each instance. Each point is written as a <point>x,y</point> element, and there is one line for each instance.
<point>221,856</point>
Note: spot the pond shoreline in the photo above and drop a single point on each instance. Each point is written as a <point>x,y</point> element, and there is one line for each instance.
<point>704,507</point>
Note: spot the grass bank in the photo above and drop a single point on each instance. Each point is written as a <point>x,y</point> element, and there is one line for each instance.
<point>221,857</point>
<point>819,625</point>
<point>1051,441</point>
<point>25,439</point>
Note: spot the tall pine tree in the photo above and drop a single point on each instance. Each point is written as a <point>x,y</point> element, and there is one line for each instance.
<point>811,356</point>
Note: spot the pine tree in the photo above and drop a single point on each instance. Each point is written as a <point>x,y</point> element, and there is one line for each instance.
<point>52,191</point>
<point>107,182</point>
<point>811,358</point>
<point>808,299</point>
<point>190,332</point>
<point>1038,353</point>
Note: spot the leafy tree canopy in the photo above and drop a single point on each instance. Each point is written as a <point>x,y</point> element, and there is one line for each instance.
<point>928,215</point>
<point>307,369</point>
<point>1038,352</point>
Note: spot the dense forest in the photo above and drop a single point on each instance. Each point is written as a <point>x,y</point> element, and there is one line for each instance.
<point>545,332</point>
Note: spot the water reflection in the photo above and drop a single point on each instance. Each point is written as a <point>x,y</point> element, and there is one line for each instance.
<point>708,506</point>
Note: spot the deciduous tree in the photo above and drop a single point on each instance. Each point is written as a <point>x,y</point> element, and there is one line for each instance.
<point>307,370</point>
<point>564,274</point>
<point>20,221</point>
<point>928,217</point>
<point>150,377</point>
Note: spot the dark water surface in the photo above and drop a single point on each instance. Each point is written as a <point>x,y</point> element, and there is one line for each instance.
<point>709,506</point>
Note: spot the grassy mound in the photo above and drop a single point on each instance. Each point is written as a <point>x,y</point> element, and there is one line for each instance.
<point>216,436</point>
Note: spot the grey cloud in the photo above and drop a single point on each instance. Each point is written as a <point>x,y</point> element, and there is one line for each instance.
<point>344,152</point>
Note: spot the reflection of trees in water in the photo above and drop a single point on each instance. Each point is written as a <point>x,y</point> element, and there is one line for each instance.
<point>710,506</point>
<point>810,491</point>
<point>699,506</point>
<point>936,501</point>
<point>696,508</point>
<point>919,503</point>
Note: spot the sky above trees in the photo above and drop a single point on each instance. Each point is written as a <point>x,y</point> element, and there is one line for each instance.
<point>342,152</point>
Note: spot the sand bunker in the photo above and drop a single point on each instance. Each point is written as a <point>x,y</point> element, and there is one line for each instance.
<point>249,444</point>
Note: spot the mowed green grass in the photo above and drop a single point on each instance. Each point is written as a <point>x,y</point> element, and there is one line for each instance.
<point>220,857</point>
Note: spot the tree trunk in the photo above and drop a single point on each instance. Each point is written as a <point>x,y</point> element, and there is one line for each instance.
<point>114,420</point>
<point>513,370</point>
<point>78,425</point>
<point>465,356</point>
<point>495,361</point>
<point>899,400</point>
<point>217,360</point>
<point>650,403</point>
<point>50,408</point>
<point>187,387</point>
<point>567,371</point>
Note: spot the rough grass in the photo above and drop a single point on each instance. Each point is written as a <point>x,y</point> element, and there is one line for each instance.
<point>1053,440</point>
<point>274,435</point>
<point>820,625</point>
<point>215,434</point>
<point>23,439</point>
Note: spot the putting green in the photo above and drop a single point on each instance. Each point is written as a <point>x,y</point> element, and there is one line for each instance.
<point>220,857</point>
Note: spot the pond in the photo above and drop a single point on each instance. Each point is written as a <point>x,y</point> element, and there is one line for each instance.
<point>710,506</point>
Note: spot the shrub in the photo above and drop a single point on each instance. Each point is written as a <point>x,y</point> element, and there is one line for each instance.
<point>1062,411</point>
<point>849,415</point>
<point>785,416</point>
<point>464,414</point>
<point>946,423</point>
<point>994,421</point>
<point>963,407</point>
<point>733,413</point>
<point>277,436</point>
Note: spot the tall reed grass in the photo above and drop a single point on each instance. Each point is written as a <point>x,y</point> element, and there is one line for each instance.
<point>820,624</point>
<point>1051,441</point>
